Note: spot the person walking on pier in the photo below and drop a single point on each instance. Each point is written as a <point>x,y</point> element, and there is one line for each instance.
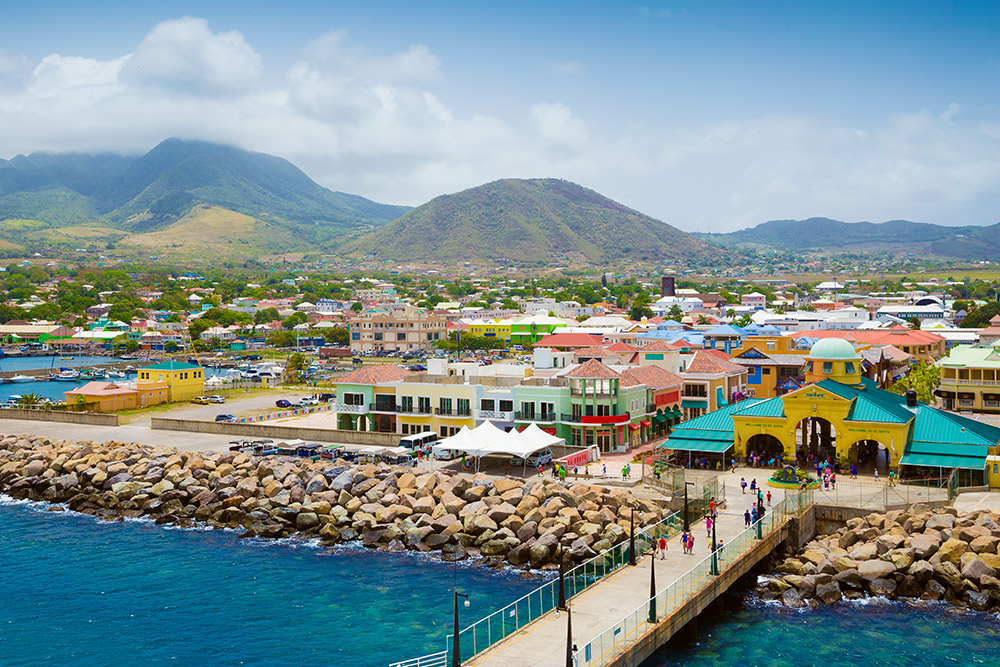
<point>708,526</point>
<point>743,484</point>
<point>746,519</point>
<point>769,497</point>
<point>663,548</point>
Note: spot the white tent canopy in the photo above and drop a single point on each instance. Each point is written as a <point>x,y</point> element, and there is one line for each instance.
<point>486,439</point>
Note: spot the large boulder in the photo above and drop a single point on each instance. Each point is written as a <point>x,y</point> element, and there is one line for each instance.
<point>940,522</point>
<point>828,593</point>
<point>975,569</point>
<point>924,545</point>
<point>882,587</point>
<point>951,551</point>
<point>875,569</point>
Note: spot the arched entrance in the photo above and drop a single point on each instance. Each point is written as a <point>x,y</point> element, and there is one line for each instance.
<point>344,422</point>
<point>766,446</point>
<point>384,424</point>
<point>816,437</point>
<point>867,455</point>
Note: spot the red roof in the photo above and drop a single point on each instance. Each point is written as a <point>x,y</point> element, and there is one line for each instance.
<point>653,377</point>
<point>594,351</point>
<point>592,369</point>
<point>374,375</point>
<point>663,346</point>
<point>706,362</point>
<point>569,340</point>
<point>621,347</point>
<point>894,336</point>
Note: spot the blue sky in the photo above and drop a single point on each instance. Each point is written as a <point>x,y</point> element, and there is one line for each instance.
<point>707,115</point>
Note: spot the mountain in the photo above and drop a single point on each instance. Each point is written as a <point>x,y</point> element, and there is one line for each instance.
<point>896,236</point>
<point>60,193</point>
<point>528,221</point>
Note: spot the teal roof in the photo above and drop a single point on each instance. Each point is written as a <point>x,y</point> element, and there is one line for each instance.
<point>713,446</point>
<point>937,426</point>
<point>171,366</point>
<point>871,404</point>
<point>713,432</point>
<point>771,407</point>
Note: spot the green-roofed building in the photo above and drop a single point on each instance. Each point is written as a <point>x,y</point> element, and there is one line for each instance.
<point>182,381</point>
<point>845,416</point>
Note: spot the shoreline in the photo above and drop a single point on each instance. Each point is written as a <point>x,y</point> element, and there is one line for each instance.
<point>525,525</point>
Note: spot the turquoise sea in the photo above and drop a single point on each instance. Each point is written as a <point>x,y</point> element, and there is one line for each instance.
<point>77,591</point>
<point>82,592</point>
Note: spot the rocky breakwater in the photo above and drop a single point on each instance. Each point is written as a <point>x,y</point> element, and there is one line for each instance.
<point>921,554</point>
<point>507,521</point>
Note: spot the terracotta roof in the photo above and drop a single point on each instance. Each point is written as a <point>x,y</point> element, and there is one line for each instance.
<point>621,347</point>
<point>592,369</point>
<point>705,362</point>
<point>593,351</point>
<point>662,346</point>
<point>653,377</point>
<point>893,336</point>
<point>374,375</point>
<point>569,340</point>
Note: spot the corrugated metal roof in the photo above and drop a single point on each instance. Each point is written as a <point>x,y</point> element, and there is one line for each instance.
<point>942,427</point>
<point>865,410</point>
<point>943,461</point>
<point>870,402</point>
<point>771,407</point>
<point>715,446</point>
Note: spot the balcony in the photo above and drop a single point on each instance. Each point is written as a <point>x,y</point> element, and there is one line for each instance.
<point>352,409</point>
<point>453,413</point>
<point>383,407</point>
<point>413,410</point>
<point>596,419</point>
<point>535,416</point>
<point>496,415</point>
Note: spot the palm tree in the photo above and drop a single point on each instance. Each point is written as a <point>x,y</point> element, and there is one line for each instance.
<point>31,399</point>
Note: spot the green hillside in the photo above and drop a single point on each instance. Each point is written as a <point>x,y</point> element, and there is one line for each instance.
<point>897,236</point>
<point>529,221</point>
<point>130,195</point>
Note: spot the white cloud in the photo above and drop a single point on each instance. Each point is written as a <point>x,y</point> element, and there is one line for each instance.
<point>380,125</point>
<point>185,55</point>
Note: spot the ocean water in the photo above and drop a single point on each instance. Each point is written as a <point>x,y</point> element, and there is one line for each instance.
<point>77,591</point>
<point>870,633</point>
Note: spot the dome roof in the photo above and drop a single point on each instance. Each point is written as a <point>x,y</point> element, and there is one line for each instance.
<point>833,348</point>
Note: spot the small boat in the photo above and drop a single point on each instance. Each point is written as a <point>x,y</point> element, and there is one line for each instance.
<point>64,375</point>
<point>22,378</point>
<point>115,373</point>
<point>65,358</point>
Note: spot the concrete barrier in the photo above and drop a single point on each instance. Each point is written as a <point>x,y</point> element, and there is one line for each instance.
<point>273,432</point>
<point>91,418</point>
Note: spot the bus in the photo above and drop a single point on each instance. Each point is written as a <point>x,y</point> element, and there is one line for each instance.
<point>419,440</point>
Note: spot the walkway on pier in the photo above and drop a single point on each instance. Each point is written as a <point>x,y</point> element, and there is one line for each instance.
<point>600,614</point>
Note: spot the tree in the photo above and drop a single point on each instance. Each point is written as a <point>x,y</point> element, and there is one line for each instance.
<point>923,378</point>
<point>675,313</point>
<point>357,307</point>
<point>913,323</point>
<point>31,399</point>
<point>337,335</point>
<point>297,362</point>
<point>637,312</point>
<point>170,346</point>
<point>294,320</point>
<point>131,346</point>
<point>266,315</point>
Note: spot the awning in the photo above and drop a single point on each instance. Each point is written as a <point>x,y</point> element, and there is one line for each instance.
<point>943,461</point>
<point>659,419</point>
<point>646,423</point>
<point>633,427</point>
<point>966,394</point>
<point>686,445</point>
<point>694,403</point>
<point>991,397</point>
<point>677,412</point>
<point>944,394</point>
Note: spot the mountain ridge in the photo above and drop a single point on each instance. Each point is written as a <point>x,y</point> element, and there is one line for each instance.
<point>528,220</point>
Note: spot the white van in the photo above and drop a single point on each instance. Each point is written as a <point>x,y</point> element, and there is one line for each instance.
<point>419,440</point>
<point>541,457</point>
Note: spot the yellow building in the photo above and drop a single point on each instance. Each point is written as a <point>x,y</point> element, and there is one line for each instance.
<point>496,329</point>
<point>435,406</point>
<point>845,417</point>
<point>182,381</point>
<point>110,397</point>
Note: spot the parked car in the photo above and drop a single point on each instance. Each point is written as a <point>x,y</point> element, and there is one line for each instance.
<point>308,400</point>
<point>200,400</point>
<point>541,457</point>
<point>326,398</point>
<point>215,398</point>
<point>225,418</point>
<point>283,403</point>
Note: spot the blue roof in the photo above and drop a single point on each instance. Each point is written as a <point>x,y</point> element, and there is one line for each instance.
<point>694,338</point>
<point>725,330</point>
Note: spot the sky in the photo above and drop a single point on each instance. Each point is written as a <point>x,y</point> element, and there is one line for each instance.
<point>711,116</point>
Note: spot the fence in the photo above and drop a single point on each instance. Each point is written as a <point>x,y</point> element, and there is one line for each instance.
<point>609,644</point>
<point>504,622</point>
<point>888,494</point>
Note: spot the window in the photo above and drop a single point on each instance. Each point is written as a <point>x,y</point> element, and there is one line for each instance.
<point>424,404</point>
<point>767,371</point>
<point>827,366</point>
<point>378,336</point>
<point>444,406</point>
<point>404,428</point>
<point>527,410</point>
<point>548,411</point>
<point>849,367</point>
<point>770,345</point>
<point>401,336</point>
<point>355,336</point>
<point>406,404</point>
<point>487,404</point>
<point>506,406</point>
<point>463,407</point>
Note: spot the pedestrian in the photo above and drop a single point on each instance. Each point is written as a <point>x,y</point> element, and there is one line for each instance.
<point>684,541</point>
<point>753,484</point>
<point>833,481</point>
<point>854,471</point>
<point>708,526</point>
<point>743,484</point>
<point>746,519</point>
<point>663,547</point>
<point>753,514</point>
<point>711,506</point>
<point>769,497</point>
<point>604,470</point>
<point>562,473</point>
<point>876,474</point>
<point>826,483</point>
<point>541,469</point>
<point>690,543</point>
<point>576,472</point>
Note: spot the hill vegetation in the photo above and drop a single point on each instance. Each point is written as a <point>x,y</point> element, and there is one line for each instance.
<point>530,222</point>
<point>897,236</point>
<point>128,195</point>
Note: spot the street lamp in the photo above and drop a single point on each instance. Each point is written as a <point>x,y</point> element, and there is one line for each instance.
<point>652,585</point>
<point>562,582</point>
<point>687,521</point>
<point>715,551</point>
<point>456,651</point>
<point>570,646</point>
<point>631,538</point>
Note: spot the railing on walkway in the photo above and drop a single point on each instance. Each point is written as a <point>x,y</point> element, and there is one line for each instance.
<point>504,622</point>
<point>886,494</point>
<point>608,644</point>
<point>439,659</point>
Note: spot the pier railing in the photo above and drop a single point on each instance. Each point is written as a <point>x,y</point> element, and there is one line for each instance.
<point>504,622</point>
<point>606,646</point>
